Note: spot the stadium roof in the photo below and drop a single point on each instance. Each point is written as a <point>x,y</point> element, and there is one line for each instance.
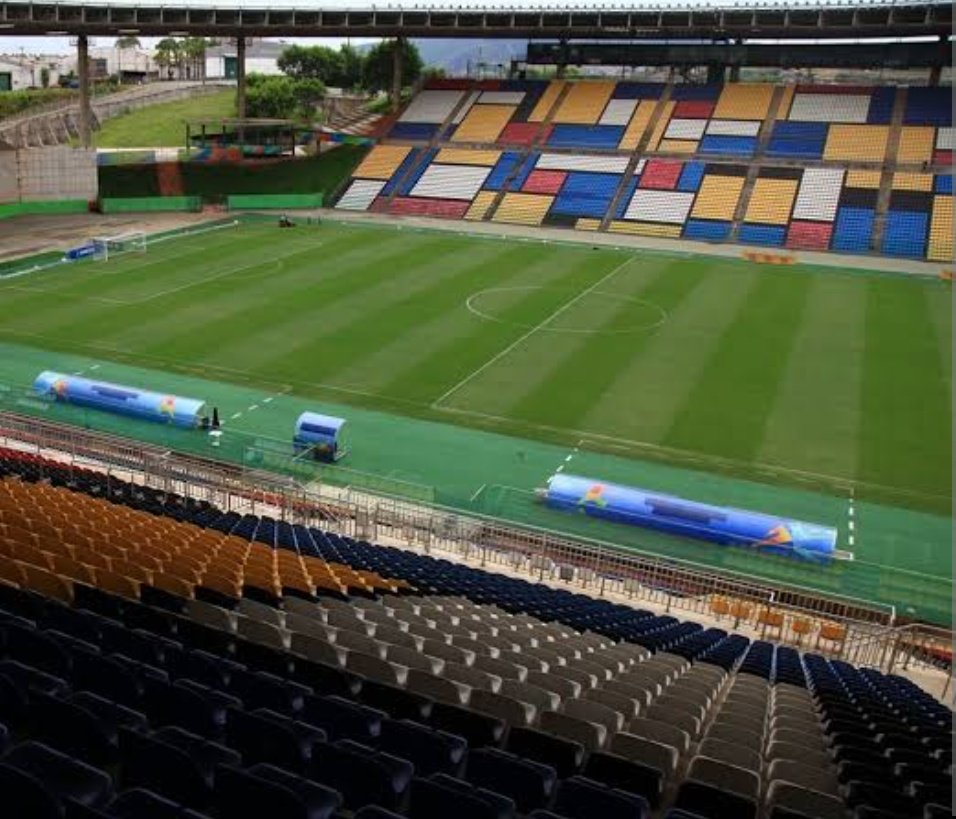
<point>553,19</point>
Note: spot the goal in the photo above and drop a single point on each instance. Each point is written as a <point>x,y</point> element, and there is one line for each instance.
<point>106,246</point>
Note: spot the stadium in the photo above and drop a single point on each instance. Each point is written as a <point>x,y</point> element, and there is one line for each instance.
<point>567,440</point>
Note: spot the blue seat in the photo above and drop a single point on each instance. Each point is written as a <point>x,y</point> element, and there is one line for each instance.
<point>14,703</point>
<point>174,763</point>
<point>713,803</point>
<point>530,784</point>
<point>265,736</point>
<point>29,793</point>
<point>34,648</point>
<point>375,812</point>
<point>440,796</point>
<point>619,772</point>
<point>361,774</point>
<point>581,798</point>
<point>202,667</point>
<point>343,719</point>
<point>138,803</point>
<point>264,790</point>
<point>260,690</point>
<point>62,776</point>
<point>428,749</point>
<point>71,728</point>
<point>181,704</point>
<point>395,701</point>
<point>564,755</point>
<point>480,730</point>
<point>27,678</point>
<point>107,677</point>
<point>325,679</point>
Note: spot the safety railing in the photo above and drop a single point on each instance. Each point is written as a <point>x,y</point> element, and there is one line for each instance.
<point>855,630</point>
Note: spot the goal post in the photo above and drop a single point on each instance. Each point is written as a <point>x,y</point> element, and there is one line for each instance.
<point>105,247</point>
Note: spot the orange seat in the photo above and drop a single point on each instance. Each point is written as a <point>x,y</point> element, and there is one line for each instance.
<point>47,583</point>
<point>68,567</point>
<point>11,573</point>
<point>173,585</point>
<point>118,584</point>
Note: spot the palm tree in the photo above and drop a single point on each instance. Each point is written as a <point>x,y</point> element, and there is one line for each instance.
<point>168,54</point>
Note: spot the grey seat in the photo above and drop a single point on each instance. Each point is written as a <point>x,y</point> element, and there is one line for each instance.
<point>627,706</point>
<point>373,667</point>
<point>653,681</point>
<point>478,647</point>
<point>436,688</point>
<point>358,641</point>
<point>313,626</point>
<point>587,733</point>
<point>348,620</point>
<point>789,723</point>
<point>662,732</point>
<point>541,699</point>
<point>607,661</point>
<point>596,712</point>
<point>813,739</point>
<point>814,778</point>
<point>210,615</point>
<point>642,695</point>
<point>728,778</point>
<point>447,652</point>
<point>502,641</point>
<point>471,677</point>
<point>564,688</point>
<point>731,753</point>
<point>546,655</point>
<point>307,608</point>
<point>814,757</point>
<point>501,668</point>
<point>511,710</point>
<point>734,734</point>
<point>391,634</point>
<point>410,658</point>
<point>596,670</point>
<point>735,719</point>
<point>646,751</point>
<point>316,649</point>
<point>260,611</point>
<point>681,702</point>
<point>569,672</point>
<point>675,716</point>
<point>265,634</point>
<point>804,802</point>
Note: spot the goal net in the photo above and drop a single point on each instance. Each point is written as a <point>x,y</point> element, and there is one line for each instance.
<point>104,247</point>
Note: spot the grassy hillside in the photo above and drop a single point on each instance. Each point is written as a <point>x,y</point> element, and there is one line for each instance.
<point>162,126</point>
<point>214,182</point>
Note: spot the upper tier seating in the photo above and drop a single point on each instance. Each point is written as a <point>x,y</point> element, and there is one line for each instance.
<point>561,154</point>
<point>449,690</point>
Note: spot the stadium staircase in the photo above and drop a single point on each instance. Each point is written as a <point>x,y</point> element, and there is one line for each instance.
<point>160,657</point>
<point>738,162</point>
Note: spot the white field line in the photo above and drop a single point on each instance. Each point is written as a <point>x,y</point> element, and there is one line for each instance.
<point>521,339</point>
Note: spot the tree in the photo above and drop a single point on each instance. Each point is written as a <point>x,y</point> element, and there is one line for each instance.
<point>377,74</point>
<point>168,54</point>
<point>311,62</point>
<point>193,50</point>
<point>129,41</point>
<point>352,65</point>
<point>270,97</point>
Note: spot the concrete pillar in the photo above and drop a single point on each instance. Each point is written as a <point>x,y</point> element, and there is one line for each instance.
<point>83,70</point>
<point>397,73</point>
<point>934,74</point>
<point>715,74</point>
<point>241,85</point>
<point>735,73</point>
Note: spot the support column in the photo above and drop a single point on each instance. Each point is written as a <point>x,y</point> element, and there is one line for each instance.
<point>241,86</point>
<point>735,73</point>
<point>397,73</point>
<point>715,74</point>
<point>934,74</point>
<point>83,71</point>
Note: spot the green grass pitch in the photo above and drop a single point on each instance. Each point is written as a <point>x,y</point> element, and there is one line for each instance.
<point>798,378</point>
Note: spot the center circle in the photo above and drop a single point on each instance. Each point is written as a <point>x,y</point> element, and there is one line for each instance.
<point>647,314</point>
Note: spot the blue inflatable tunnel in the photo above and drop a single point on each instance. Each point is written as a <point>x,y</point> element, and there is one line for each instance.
<point>715,524</point>
<point>130,401</point>
<point>324,435</point>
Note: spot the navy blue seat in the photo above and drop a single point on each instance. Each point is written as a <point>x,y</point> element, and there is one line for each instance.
<point>361,774</point>
<point>343,719</point>
<point>582,798</point>
<point>530,784</point>
<point>441,796</point>
<point>564,755</point>
<point>62,776</point>
<point>29,793</point>
<point>202,667</point>
<point>261,690</point>
<point>71,728</point>
<point>265,790</point>
<point>107,677</point>
<point>27,678</point>
<point>395,701</point>
<point>428,749</point>
<point>862,793</point>
<point>137,803</point>
<point>185,704</point>
<point>480,730</point>
<point>713,803</point>
<point>265,736</point>
<point>325,679</point>
<point>375,812</point>
<point>14,703</point>
<point>36,649</point>
<point>619,772</point>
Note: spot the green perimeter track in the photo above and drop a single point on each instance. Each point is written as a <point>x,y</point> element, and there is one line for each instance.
<point>471,369</point>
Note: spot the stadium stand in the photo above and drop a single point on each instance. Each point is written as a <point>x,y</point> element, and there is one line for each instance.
<point>159,657</point>
<point>663,160</point>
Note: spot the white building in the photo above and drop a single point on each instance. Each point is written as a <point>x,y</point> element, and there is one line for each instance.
<point>261,58</point>
<point>19,71</point>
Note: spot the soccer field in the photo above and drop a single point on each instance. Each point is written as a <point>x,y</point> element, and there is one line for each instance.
<point>797,377</point>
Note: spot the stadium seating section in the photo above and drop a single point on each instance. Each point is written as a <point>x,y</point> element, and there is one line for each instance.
<point>673,161</point>
<point>161,658</point>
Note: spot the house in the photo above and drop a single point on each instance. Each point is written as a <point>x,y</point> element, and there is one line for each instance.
<point>19,71</point>
<point>261,58</point>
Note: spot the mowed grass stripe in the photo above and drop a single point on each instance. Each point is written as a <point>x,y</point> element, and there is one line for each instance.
<point>726,412</point>
<point>556,275</point>
<point>581,378</point>
<point>817,409</point>
<point>905,438</point>
<point>396,354</point>
<point>640,403</point>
